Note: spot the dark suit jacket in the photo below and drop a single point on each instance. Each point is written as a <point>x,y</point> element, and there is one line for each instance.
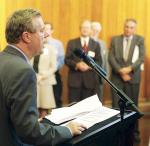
<point>116,58</point>
<point>77,78</point>
<point>18,109</point>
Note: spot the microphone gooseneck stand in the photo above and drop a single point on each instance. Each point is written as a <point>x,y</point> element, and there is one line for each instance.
<point>124,101</point>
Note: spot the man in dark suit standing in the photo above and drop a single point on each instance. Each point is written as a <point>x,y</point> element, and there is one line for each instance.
<point>126,57</point>
<point>82,80</point>
<point>19,122</point>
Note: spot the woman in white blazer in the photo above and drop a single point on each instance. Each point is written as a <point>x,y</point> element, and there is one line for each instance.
<point>46,79</point>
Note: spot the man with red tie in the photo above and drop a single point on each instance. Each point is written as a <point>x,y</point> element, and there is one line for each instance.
<point>82,80</point>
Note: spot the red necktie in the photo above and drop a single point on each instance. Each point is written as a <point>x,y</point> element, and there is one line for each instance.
<point>85,47</point>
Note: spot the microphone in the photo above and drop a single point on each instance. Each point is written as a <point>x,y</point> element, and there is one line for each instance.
<point>86,58</point>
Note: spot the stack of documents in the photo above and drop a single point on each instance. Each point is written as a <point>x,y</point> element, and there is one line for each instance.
<point>88,111</point>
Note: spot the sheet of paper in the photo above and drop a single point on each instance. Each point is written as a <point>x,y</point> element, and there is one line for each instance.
<point>88,111</point>
<point>135,54</point>
<point>87,105</point>
<point>96,116</point>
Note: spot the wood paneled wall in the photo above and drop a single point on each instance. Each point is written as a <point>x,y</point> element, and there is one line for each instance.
<point>66,16</point>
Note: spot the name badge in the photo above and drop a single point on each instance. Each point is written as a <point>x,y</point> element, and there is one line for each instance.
<point>91,54</point>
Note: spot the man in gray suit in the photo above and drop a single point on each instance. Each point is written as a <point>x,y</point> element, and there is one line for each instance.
<point>125,57</point>
<point>19,122</point>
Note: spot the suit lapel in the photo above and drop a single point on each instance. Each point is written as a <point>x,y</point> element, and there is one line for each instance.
<point>133,43</point>
<point>79,46</point>
<point>120,44</point>
<point>90,45</point>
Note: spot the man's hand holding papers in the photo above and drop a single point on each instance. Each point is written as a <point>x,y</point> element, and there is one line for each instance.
<point>75,128</point>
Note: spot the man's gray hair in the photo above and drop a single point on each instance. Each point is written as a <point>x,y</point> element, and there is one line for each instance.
<point>96,25</point>
<point>131,19</point>
<point>19,22</point>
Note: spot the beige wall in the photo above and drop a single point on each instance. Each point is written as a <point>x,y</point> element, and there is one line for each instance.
<point>66,16</point>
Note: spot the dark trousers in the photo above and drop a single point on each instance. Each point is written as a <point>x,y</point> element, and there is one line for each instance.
<point>78,94</point>
<point>58,89</point>
<point>132,90</point>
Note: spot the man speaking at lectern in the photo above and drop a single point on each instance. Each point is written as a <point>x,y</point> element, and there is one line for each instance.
<point>19,122</point>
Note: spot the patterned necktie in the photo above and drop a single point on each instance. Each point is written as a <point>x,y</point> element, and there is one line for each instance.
<point>127,49</point>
